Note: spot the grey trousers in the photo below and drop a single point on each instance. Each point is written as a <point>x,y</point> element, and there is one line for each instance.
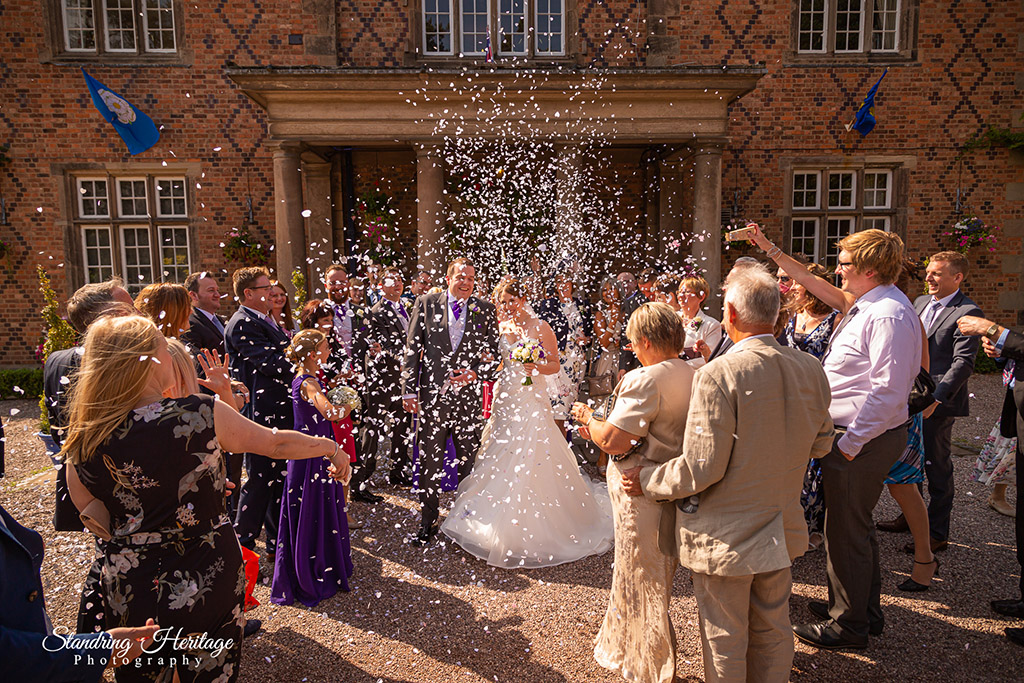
<point>852,488</point>
<point>938,467</point>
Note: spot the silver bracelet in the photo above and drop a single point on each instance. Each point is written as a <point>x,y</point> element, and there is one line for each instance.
<point>774,252</point>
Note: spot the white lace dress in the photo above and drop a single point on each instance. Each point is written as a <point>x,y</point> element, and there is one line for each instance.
<point>526,503</point>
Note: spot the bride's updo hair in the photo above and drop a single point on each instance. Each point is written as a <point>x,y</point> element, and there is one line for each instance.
<point>510,285</point>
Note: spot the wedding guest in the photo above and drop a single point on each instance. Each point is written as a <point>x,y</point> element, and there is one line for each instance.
<point>952,356</point>
<point>632,299</point>
<point>644,428</point>
<point>314,560</point>
<point>357,292</point>
<point>281,309</point>
<point>1001,342</point>
<point>571,319</point>
<point>372,283</point>
<point>86,305</point>
<point>698,325</point>
<point>316,314</point>
<point>133,449</point>
<point>645,282</point>
<point>379,350</point>
<point>168,305</point>
<point>255,346</point>
<point>205,326</point>
<point>666,291</point>
<point>608,327</point>
<point>736,485</point>
<point>871,364</point>
<point>28,649</point>
<point>419,285</point>
<point>810,325</point>
<point>996,465</point>
<point>707,352</point>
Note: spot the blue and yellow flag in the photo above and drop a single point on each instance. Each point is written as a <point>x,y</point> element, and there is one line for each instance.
<point>864,122</point>
<point>136,129</point>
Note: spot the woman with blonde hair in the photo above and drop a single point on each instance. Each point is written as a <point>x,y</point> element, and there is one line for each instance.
<point>166,304</point>
<point>698,325</point>
<point>156,464</point>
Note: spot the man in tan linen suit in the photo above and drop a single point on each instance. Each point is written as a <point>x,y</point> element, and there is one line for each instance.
<point>757,415</point>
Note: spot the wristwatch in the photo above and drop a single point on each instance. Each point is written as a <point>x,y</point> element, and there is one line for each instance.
<point>991,332</point>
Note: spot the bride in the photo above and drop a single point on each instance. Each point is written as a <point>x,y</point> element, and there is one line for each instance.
<point>526,503</point>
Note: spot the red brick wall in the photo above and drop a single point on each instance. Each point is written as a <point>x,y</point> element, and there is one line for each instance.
<point>967,75</point>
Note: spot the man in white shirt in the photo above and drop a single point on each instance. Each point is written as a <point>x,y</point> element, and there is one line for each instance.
<point>871,364</point>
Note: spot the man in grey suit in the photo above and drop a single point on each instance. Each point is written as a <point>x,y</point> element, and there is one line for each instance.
<point>451,346</point>
<point>951,356</point>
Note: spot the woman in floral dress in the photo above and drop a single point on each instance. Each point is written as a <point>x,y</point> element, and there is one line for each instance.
<point>997,463</point>
<point>156,465</point>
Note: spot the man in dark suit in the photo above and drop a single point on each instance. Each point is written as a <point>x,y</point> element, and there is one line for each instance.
<point>452,344</point>
<point>951,356</point>
<point>632,299</point>
<point>999,341</point>
<point>206,328</point>
<point>28,649</point>
<point>84,306</point>
<point>256,346</point>
<point>378,351</point>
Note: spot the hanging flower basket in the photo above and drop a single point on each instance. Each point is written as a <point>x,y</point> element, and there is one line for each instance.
<point>377,218</point>
<point>241,246</point>
<point>970,232</point>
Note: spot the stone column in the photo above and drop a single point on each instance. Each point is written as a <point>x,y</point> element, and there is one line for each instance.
<point>672,246</point>
<point>567,192</point>
<point>289,238</point>
<point>319,244</point>
<point>707,219</point>
<point>430,209</point>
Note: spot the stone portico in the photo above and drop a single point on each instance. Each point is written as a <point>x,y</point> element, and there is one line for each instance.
<point>681,113</point>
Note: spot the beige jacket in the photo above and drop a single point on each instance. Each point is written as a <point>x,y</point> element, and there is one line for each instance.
<point>757,415</point>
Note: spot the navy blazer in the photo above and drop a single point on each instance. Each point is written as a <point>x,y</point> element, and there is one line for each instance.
<point>550,311</point>
<point>203,334</point>
<point>951,354</point>
<point>23,622</point>
<point>256,349</point>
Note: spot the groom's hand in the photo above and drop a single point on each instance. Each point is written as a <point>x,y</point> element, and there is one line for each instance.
<point>463,377</point>
<point>411,405</point>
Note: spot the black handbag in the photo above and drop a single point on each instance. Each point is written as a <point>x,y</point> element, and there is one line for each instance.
<point>921,394</point>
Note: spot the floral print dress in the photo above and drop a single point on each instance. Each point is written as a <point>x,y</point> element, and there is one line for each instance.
<point>173,555</point>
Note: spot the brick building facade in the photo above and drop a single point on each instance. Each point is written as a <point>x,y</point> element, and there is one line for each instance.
<point>271,110</point>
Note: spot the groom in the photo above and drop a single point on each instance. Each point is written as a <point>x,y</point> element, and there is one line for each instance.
<point>452,345</point>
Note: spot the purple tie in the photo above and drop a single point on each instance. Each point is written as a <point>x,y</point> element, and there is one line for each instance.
<point>401,310</point>
<point>456,309</point>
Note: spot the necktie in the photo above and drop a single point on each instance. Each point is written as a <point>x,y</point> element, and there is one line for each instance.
<point>401,310</point>
<point>929,315</point>
<point>218,324</point>
<point>457,308</point>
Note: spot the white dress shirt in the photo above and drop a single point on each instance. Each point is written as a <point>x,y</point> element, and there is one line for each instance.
<point>343,325</point>
<point>872,361</point>
<point>456,328</point>
<point>261,316</point>
<point>933,309</point>
<point>403,315</point>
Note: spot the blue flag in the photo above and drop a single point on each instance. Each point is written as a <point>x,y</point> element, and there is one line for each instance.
<point>136,129</point>
<point>864,122</point>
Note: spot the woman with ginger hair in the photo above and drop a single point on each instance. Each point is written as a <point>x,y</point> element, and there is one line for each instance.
<point>156,465</point>
<point>167,305</point>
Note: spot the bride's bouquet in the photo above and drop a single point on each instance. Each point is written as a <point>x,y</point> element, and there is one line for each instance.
<point>526,351</point>
<point>342,395</point>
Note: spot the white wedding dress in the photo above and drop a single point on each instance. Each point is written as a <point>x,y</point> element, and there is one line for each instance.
<point>526,504</point>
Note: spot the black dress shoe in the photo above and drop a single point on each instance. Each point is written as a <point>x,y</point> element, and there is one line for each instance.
<point>1009,608</point>
<point>365,496</point>
<point>895,526</point>
<point>820,610</point>
<point>251,627</point>
<point>401,482</point>
<point>423,536</point>
<point>826,636</point>
<point>1016,635</point>
<point>937,546</point>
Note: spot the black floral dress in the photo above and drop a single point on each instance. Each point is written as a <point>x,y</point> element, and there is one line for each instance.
<point>174,555</point>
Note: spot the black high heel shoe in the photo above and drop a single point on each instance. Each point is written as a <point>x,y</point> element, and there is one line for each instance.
<point>911,586</point>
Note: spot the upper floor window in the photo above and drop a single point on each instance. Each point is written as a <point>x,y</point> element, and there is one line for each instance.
<point>118,28</point>
<point>132,226</point>
<point>514,28</point>
<point>851,27</point>
<point>828,204</point>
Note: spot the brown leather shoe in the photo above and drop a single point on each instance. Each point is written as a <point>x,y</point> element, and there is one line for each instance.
<point>896,526</point>
<point>937,546</point>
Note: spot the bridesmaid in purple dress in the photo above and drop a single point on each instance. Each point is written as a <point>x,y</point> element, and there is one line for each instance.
<point>314,560</point>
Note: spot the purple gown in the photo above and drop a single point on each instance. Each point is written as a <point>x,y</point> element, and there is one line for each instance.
<point>314,560</point>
